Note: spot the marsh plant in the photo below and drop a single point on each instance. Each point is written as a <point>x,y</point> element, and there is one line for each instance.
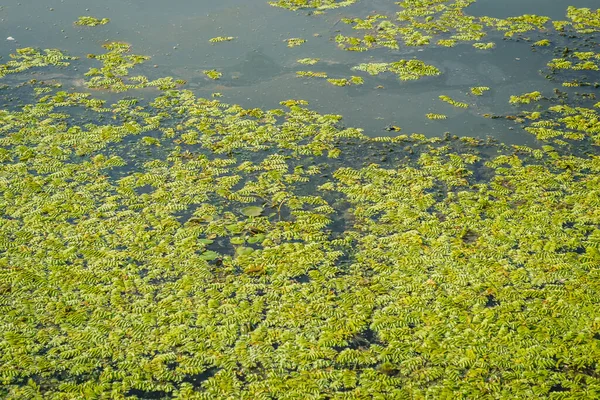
<point>174,246</point>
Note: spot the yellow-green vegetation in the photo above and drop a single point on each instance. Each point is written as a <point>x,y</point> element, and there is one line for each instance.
<point>308,61</point>
<point>584,20</point>
<point>447,42</point>
<point>355,80</point>
<point>542,43</point>
<point>479,90</point>
<point>453,102</point>
<point>404,69</point>
<point>220,39</point>
<point>525,98</point>
<point>577,61</point>
<point>213,74</point>
<point>435,116</point>
<point>295,42</point>
<point>311,74</point>
<point>484,46</point>
<point>338,82</point>
<point>167,245</point>
<point>114,73</point>
<point>28,57</point>
<point>91,21</point>
<point>447,22</point>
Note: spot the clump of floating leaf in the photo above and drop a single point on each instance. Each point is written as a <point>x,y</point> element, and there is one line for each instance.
<point>91,21</point>
<point>355,80</point>
<point>484,46</point>
<point>525,98</point>
<point>479,90</point>
<point>116,64</point>
<point>294,42</point>
<point>29,57</point>
<point>446,42</point>
<point>404,69</point>
<point>542,43</point>
<point>308,61</point>
<point>573,83</point>
<point>220,39</point>
<point>435,116</point>
<point>453,102</point>
<point>339,82</point>
<point>311,74</point>
<point>252,211</point>
<point>212,73</point>
<point>584,20</point>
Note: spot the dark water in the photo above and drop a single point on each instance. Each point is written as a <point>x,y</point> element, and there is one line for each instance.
<point>259,69</point>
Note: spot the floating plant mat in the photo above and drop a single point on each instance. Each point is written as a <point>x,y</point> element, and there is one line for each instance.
<point>159,244</point>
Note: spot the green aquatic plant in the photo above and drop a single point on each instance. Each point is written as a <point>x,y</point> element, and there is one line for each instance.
<point>212,74</point>
<point>447,42</point>
<point>542,43</point>
<point>584,20</point>
<point>453,102</point>
<point>308,61</point>
<point>220,39</point>
<point>479,90</point>
<point>404,69</point>
<point>295,42</point>
<point>252,211</point>
<point>484,46</point>
<point>311,74</point>
<point>91,21</point>
<point>435,116</point>
<point>339,82</point>
<point>28,57</point>
<point>114,73</point>
<point>354,80</point>
<point>525,98</point>
<point>165,245</point>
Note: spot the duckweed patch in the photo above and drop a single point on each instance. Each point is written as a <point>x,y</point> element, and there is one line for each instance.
<point>175,246</point>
